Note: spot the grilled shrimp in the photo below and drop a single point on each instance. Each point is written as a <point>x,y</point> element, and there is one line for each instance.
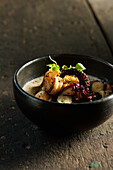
<point>52,82</point>
<point>57,85</point>
<point>49,79</point>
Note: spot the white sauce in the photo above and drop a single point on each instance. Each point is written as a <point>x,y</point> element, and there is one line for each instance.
<point>31,86</point>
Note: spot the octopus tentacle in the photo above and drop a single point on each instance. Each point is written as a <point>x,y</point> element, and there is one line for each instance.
<point>80,74</point>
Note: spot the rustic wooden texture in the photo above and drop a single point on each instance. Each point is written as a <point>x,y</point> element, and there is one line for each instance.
<point>29,29</point>
<point>103,11</point>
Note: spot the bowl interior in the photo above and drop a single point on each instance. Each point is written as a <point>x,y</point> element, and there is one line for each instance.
<point>37,67</point>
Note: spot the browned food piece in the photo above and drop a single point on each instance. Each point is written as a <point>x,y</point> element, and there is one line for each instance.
<point>69,91</point>
<point>57,85</point>
<point>104,89</point>
<point>107,86</point>
<point>97,86</point>
<point>53,83</point>
<point>108,89</point>
<point>67,80</point>
<point>43,95</point>
<point>78,96</point>
<point>72,79</point>
<point>49,79</point>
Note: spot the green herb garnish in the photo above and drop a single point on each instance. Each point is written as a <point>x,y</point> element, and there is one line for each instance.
<point>62,100</point>
<point>94,164</point>
<point>78,66</point>
<point>56,67</point>
<point>43,88</point>
<point>64,67</point>
<point>53,66</point>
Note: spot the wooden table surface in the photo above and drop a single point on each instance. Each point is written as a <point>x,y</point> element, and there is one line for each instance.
<point>33,28</point>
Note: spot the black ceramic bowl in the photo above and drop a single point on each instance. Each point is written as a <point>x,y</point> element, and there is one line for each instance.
<point>56,116</point>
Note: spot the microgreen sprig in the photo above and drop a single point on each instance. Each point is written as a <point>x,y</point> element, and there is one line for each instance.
<point>78,66</point>
<point>56,67</point>
<point>53,66</point>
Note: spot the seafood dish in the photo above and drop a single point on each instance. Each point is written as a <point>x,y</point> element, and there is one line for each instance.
<point>68,84</point>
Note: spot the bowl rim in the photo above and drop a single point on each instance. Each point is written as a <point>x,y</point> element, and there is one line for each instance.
<point>15,81</point>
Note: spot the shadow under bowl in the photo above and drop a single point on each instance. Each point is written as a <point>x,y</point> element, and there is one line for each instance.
<point>67,117</point>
